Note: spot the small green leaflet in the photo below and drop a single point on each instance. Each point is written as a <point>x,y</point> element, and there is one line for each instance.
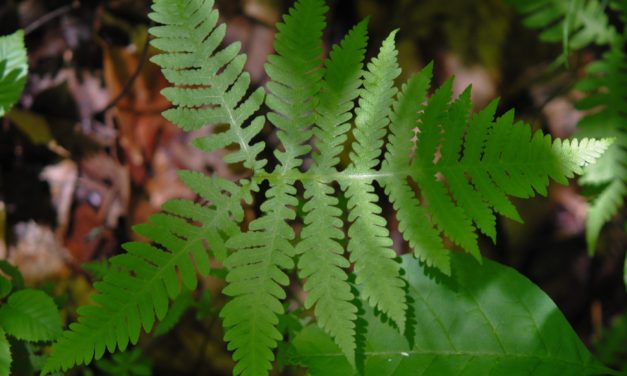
<point>30,315</point>
<point>13,69</point>
<point>461,325</point>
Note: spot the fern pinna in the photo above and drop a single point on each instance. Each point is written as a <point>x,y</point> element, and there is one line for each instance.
<point>607,96</point>
<point>464,166</point>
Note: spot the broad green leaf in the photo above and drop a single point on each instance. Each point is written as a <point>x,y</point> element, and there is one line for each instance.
<point>31,315</point>
<point>13,69</point>
<point>484,320</point>
<point>5,354</point>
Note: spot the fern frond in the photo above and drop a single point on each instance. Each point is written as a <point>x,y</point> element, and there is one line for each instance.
<point>322,262</point>
<point>606,86</point>
<point>577,23</point>
<point>255,281</point>
<point>209,84</point>
<point>449,218</point>
<point>295,80</point>
<point>376,270</point>
<point>413,219</point>
<point>465,167</point>
<point>501,158</point>
<point>262,254</point>
<point>138,287</point>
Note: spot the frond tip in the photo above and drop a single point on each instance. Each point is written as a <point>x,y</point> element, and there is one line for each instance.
<point>209,84</point>
<point>466,167</point>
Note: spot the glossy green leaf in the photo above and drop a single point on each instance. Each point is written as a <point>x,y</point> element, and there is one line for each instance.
<point>30,315</point>
<point>484,320</point>
<point>13,69</point>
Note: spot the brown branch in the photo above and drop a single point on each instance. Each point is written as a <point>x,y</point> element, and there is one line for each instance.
<point>129,84</point>
<point>51,16</point>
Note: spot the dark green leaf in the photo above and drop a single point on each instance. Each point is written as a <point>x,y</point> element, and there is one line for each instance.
<point>485,320</point>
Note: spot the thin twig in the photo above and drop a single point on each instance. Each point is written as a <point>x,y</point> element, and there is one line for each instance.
<point>129,84</point>
<point>51,16</point>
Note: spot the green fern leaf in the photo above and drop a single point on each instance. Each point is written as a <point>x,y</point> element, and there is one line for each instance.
<point>30,315</point>
<point>413,219</point>
<point>465,167</point>
<point>606,87</point>
<point>263,253</point>
<point>577,23</point>
<point>445,214</point>
<point>369,244</point>
<point>13,69</point>
<point>209,84</point>
<point>136,290</point>
<point>322,261</point>
<point>295,80</point>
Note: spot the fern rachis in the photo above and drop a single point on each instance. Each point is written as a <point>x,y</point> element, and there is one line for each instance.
<point>312,102</point>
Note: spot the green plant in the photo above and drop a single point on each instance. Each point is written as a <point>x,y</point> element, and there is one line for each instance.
<point>26,315</point>
<point>575,23</point>
<point>584,22</point>
<point>444,338</point>
<point>128,363</point>
<point>13,69</point>
<point>464,166</point>
<point>607,97</point>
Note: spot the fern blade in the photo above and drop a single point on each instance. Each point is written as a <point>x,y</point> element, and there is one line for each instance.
<point>322,262</point>
<point>414,222</point>
<point>369,245</point>
<point>209,83</point>
<point>135,292</point>
<point>256,270</point>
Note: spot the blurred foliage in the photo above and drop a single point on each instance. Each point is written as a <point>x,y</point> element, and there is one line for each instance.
<point>127,363</point>
<point>477,31</point>
<point>611,347</point>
